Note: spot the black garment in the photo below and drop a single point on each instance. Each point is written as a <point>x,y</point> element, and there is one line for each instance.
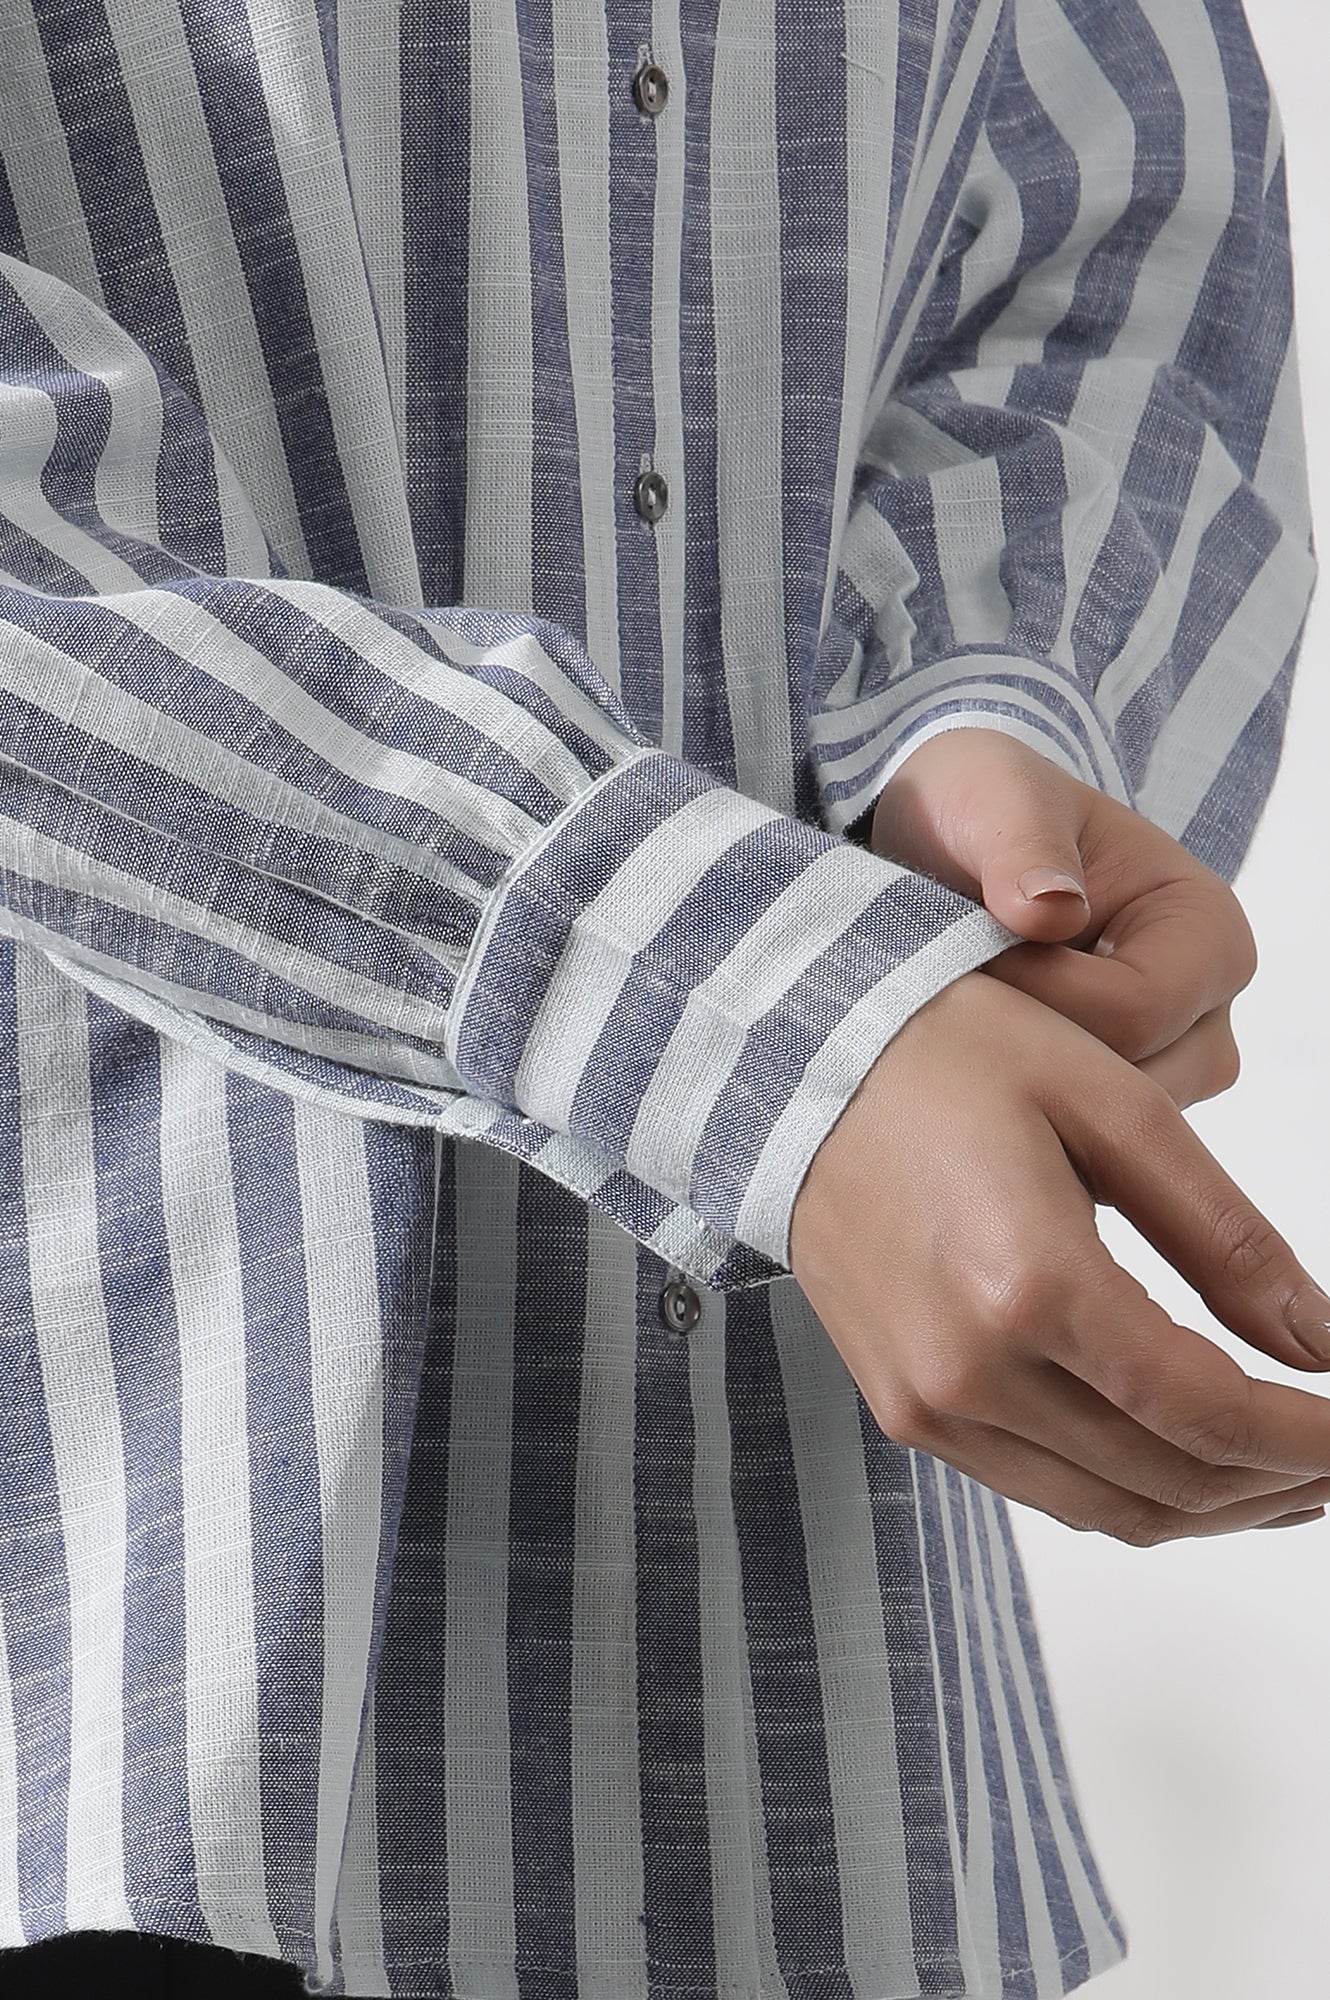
<point>88,1963</point>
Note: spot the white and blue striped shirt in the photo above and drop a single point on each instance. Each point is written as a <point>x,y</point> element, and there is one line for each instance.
<point>385,1584</point>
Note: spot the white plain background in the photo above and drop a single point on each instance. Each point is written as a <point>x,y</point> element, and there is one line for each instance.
<point>1192,1681</point>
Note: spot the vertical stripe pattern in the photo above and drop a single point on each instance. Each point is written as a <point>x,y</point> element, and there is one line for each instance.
<point>435,919</point>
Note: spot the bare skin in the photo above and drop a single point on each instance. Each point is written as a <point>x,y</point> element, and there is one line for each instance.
<point>975,808</point>
<point>945,1237</point>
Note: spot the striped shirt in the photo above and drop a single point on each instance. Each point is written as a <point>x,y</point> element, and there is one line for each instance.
<point>475,540</point>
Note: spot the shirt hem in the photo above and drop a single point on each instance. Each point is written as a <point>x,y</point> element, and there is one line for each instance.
<point>1096,1955</point>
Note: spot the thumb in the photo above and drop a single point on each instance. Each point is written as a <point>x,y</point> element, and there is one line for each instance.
<point>1036,888</point>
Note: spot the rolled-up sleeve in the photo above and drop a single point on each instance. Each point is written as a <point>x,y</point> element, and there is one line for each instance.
<point>418,862</point>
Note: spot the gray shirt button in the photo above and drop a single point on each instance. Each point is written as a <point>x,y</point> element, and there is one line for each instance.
<point>651,496</point>
<point>680,1306</point>
<point>651,87</point>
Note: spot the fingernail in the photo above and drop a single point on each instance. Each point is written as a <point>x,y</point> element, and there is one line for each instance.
<point>1043,881</point>
<point>1308,1320</point>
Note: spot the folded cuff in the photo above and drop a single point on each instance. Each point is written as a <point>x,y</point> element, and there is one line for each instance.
<point>696,984</point>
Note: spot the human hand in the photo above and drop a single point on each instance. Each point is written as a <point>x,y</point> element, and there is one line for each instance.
<point>975,808</point>
<point>945,1236</point>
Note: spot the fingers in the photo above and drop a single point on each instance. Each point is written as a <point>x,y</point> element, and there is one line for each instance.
<point>1069,1352</point>
<point>946,1246</point>
<point>1043,1402</point>
<point>1203,1063</point>
<point>1190,935</point>
<point>976,808</point>
<point>1050,1483</point>
<point>1294,1520</point>
<point>1138,1153</point>
<point>1173,964</point>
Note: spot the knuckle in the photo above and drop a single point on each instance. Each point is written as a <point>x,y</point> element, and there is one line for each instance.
<point>1131,1380</point>
<point>1197,1489</point>
<point>1151,1531</point>
<point>1022,1295</point>
<point>1139,1527</point>
<point>1137,1028</point>
<point>1218,1437</point>
<point>903,1417</point>
<point>949,1386</point>
<point>1154,1113</point>
<point>1248,955</point>
<point>1228,1063</point>
<point>1248,1249</point>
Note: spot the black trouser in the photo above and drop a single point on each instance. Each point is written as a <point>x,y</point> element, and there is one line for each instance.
<point>136,1963</point>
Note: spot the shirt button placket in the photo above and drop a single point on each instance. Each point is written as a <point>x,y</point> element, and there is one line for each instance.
<point>651,89</point>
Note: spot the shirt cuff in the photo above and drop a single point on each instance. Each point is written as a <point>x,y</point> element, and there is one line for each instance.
<point>696,984</point>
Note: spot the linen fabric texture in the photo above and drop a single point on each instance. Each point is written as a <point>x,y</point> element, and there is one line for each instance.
<point>435,909</point>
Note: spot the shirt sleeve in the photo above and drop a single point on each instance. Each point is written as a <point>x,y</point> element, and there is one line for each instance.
<point>417,862</point>
<point>1081,511</point>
